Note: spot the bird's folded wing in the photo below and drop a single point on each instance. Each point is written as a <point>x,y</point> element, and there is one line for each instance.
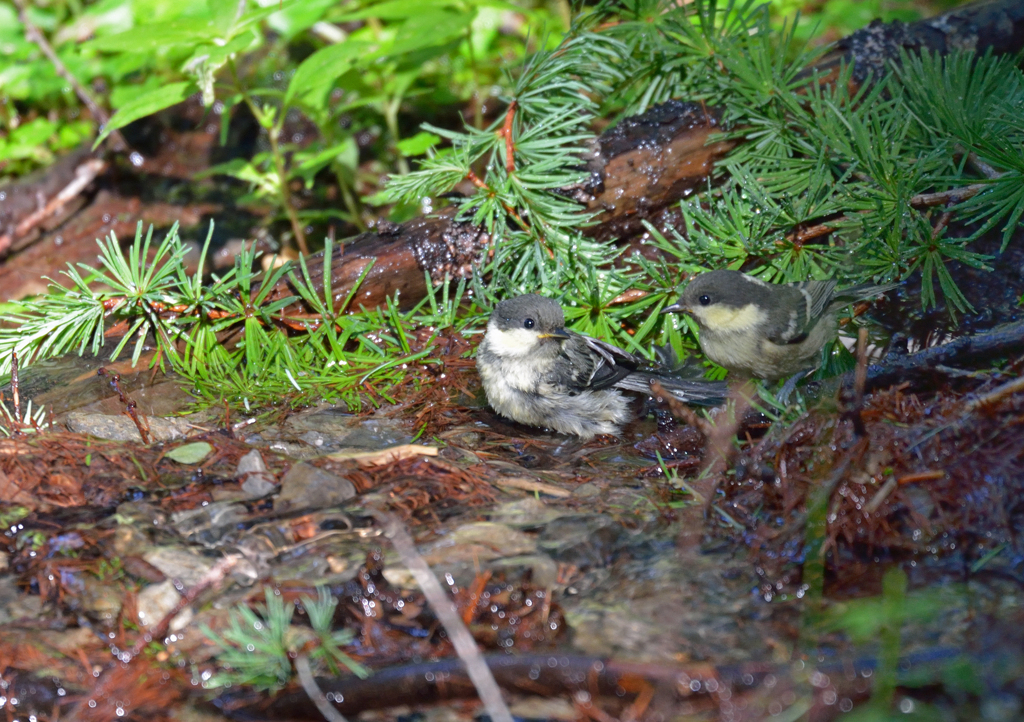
<point>628,372</point>
<point>689,391</point>
<point>613,364</point>
<point>806,302</point>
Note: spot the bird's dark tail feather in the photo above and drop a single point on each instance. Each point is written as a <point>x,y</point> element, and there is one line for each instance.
<point>861,292</point>
<point>689,391</point>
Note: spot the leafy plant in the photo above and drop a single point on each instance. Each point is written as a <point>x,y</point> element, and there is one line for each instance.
<point>315,75</point>
<point>257,648</point>
<point>332,355</point>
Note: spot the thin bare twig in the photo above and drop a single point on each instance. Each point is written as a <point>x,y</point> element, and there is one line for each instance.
<point>14,388</point>
<point>462,640</point>
<point>130,407</point>
<point>313,691</point>
<point>982,167</point>
<point>997,394</point>
<point>539,487</point>
<point>921,200</point>
<point>860,378</point>
<point>84,175</point>
<point>720,441</point>
<point>33,35</point>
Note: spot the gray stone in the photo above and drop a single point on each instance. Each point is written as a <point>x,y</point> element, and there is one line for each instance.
<point>305,486</point>
<point>478,541</point>
<point>157,600</point>
<point>589,490</point>
<point>15,604</point>
<point>121,428</point>
<point>180,564</point>
<point>251,463</point>
<point>257,486</point>
<point>526,513</point>
<point>209,524</point>
<point>313,438</point>
<point>334,428</point>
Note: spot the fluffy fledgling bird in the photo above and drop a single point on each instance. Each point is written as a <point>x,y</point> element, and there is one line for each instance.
<point>767,330</point>
<point>536,372</point>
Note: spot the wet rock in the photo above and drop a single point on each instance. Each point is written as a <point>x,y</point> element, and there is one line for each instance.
<point>14,605</point>
<point>209,524</point>
<point>305,486</point>
<point>313,438</point>
<point>257,481</point>
<point>591,540</point>
<point>251,463</point>
<point>464,438</point>
<point>479,541</point>
<point>142,513</point>
<point>589,490</point>
<point>306,566</point>
<point>655,609</point>
<point>97,598</point>
<point>258,486</point>
<point>526,513</point>
<point>293,449</point>
<point>180,564</point>
<point>122,428</point>
<point>157,600</point>
<point>543,569</point>
<point>141,569</point>
<point>334,428</point>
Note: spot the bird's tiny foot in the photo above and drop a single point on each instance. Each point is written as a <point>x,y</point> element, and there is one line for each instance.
<point>789,387</point>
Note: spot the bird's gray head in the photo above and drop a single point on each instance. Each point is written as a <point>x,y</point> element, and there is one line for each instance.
<point>526,324</point>
<point>725,300</point>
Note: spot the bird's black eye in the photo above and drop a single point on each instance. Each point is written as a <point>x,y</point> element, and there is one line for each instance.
<point>528,323</point>
<point>704,300</point>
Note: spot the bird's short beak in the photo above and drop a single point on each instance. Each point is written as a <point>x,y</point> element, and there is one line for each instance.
<point>677,307</point>
<point>558,333</point>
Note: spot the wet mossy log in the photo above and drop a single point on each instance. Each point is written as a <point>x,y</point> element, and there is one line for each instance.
<point>921,368</point>
<point>646,163</point>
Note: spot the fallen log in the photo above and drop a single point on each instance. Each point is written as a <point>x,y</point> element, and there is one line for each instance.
<point>899,366</point>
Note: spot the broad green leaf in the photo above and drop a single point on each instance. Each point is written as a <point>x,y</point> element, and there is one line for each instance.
<point>294,20</point>
<point>402,9</point>
<point>319,71</point>
<point>154,37</point>
<point>190,453</point>
<point>345,152</point>
<point>146,104</point>
<point>418,144</point>
<point>428,28</point>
